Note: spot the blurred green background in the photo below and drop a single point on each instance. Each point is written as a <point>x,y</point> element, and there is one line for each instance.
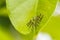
<point>53,27</point>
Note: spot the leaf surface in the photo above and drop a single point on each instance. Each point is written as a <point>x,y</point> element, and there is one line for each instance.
<point>28,16</point>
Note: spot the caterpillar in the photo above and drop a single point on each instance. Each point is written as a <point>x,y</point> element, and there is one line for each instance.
<point>35,21</point>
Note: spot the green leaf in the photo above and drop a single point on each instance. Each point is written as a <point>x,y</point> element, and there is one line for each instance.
<point>28,16</point>
<point>53,27</point>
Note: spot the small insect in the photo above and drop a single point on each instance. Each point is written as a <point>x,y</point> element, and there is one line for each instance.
<point>35,21</point>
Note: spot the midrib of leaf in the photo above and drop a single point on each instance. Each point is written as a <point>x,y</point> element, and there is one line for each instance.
<point>36,6</point>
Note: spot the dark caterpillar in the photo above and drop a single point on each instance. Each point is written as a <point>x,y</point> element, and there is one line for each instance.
<point>35,21</point>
